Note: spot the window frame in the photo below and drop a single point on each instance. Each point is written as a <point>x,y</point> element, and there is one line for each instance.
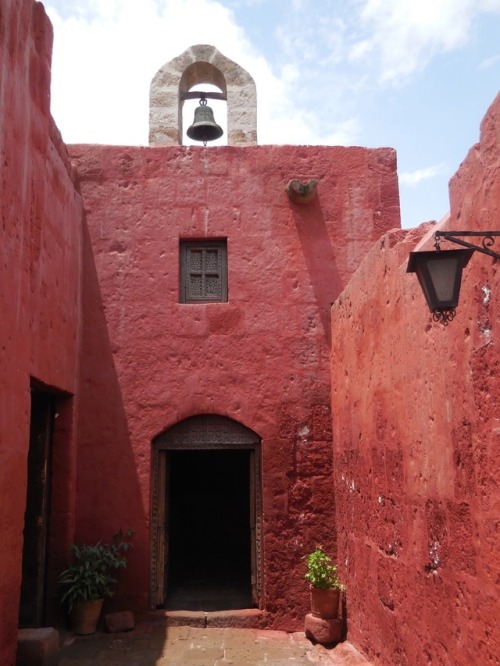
<point>185,246</point>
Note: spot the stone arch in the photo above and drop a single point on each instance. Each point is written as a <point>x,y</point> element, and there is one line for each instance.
<point>202,64</point>
<point>207,431</point>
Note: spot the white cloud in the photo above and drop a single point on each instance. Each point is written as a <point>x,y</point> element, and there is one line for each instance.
<point>403,35</point>
<point>489,62</point>
<point>107,51</point>
<point>106,55</point>
<point>104,61</point>
<point>414,178</point>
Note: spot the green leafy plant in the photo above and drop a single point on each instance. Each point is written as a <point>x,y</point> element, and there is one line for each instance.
<point>89,577</point>
<point>321,573</point>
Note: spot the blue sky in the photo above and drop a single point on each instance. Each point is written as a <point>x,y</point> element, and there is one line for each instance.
<point>416,75</point>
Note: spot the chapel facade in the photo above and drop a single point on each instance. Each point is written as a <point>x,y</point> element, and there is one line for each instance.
<point>218,348</point>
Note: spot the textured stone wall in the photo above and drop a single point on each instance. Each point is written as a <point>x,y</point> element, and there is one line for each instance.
<point>416,440</point>
<point>39,296</point>
<point>261,359</point>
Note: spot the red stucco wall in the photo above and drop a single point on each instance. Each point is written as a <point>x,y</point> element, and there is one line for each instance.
<point>416,437</point>
<point>39,283</point>
<point>261,359</point>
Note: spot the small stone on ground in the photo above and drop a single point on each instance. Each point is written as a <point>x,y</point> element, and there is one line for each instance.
<point>118,622</point>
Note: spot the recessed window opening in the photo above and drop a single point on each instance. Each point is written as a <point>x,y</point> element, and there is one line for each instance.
<point>203,271</point>
<point>219,107</point>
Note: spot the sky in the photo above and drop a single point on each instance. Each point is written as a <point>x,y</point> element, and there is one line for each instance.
<point>414,75</point>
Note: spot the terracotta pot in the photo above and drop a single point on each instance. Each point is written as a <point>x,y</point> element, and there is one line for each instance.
<point>85,616</point>
<point>325,603</point>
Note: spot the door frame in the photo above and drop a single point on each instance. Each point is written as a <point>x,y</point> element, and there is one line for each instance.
<point>37,509</point>
<point>203,432</point>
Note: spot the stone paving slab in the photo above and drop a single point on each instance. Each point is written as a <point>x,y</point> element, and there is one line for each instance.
<point>193,646</point>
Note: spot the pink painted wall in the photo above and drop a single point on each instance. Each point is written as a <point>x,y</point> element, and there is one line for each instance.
<point>261,359</point>
<point>416,440</point>
<point>39,285</point>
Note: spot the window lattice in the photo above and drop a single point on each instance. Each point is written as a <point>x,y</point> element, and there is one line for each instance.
<point>203,271</point>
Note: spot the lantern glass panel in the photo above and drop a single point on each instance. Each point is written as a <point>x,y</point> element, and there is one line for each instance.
<point>440,275</point>
<point>444,272</point>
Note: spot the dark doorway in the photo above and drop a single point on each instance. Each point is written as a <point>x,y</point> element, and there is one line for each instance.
<point>36,517</point>
<point>208,515</point>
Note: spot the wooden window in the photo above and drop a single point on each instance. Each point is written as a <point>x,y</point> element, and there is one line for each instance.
<point>203,266</point>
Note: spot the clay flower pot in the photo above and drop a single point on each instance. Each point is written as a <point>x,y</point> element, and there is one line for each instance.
<point>325,603</point>
<point>85,616</point>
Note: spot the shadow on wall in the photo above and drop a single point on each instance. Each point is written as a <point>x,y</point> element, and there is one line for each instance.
<point>108,497</point>
<point>319,257</point>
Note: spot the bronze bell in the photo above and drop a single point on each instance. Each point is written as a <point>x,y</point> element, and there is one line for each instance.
<point>204,127</point>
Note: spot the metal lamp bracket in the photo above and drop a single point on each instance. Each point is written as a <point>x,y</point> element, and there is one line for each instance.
<point>487,236</point>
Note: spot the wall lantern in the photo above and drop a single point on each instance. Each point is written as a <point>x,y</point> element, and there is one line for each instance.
<point>440,272</point>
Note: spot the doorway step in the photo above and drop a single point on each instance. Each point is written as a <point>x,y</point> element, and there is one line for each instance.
<point>245,618</point>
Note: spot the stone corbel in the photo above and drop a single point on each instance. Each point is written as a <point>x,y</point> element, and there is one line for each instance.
<point>301,193</point>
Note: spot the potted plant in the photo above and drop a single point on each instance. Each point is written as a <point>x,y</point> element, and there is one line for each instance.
<point>325,585</point>
<point>88,579</point>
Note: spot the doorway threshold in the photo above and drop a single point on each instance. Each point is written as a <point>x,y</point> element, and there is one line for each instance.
<point>243,618</point>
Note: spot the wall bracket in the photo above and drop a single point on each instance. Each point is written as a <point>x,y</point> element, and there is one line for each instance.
<point>487,236</point>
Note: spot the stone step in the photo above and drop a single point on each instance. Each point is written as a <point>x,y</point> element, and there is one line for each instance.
<point>38,647</point>
<point>247,618</point>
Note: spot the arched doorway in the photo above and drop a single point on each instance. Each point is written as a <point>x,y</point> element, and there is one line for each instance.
<point>206,507</point>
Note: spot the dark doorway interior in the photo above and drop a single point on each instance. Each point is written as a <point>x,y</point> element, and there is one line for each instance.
<point>36,517</point>
<point>208,517</point>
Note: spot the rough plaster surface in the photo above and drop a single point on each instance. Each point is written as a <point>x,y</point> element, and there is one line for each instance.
<point>416,437</point>
<point>202,64</point>
<point>261,359</point>
<point>39,284</point>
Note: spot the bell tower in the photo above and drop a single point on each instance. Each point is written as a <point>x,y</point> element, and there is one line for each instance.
<point>202,64</point>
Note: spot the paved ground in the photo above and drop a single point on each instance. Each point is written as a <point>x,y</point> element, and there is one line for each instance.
<point>191,646</point>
